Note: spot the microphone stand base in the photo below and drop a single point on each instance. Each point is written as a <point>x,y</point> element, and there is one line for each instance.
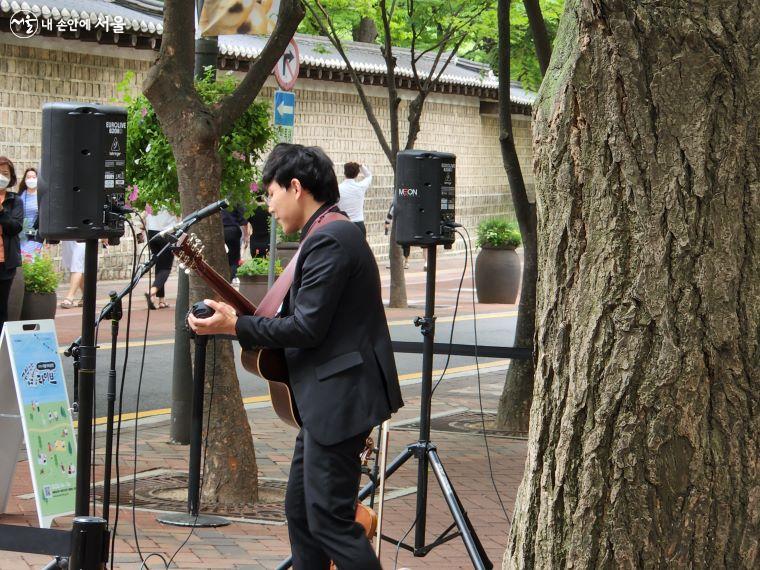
<point>196,521</point>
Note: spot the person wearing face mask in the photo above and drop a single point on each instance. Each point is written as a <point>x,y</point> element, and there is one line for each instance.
<point>27,193</point>
<point>11,222</point>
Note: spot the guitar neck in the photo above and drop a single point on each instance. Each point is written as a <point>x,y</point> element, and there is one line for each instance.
<point>222,287</point>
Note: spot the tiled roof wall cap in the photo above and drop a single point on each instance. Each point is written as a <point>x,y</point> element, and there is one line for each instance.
<point>232,46</point>
<point>235,50</point>
<point>152,25</point>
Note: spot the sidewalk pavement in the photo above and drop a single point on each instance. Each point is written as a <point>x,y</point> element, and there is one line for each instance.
<point>247,545</point>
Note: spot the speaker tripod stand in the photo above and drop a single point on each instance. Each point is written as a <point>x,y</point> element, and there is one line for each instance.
<point>426,453</point>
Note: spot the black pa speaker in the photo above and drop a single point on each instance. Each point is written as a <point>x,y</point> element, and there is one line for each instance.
<point>424,198</point>
<point>81,187</point>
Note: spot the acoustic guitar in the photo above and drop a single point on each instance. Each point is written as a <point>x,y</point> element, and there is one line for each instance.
<point>267,363</point>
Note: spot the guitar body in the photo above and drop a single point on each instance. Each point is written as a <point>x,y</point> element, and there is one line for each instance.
<point>269,364</point>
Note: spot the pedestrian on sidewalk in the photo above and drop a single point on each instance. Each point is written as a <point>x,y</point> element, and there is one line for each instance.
<point>154,223</point>
<point>352,192</point>
<point>235,234</point>
<point>11,221</point>
<point>342,373</point>
<point>27,193</point>
<point>259,231</point>
<point>72,260</point>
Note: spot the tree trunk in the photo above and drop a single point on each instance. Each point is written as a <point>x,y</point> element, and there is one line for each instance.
<point>231,476</point>
<point>644,433</point>
<point>398,277</point>
<point>514,405</point>
<point>365,31</point>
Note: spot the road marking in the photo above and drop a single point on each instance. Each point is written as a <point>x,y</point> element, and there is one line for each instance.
<point>403,379</point>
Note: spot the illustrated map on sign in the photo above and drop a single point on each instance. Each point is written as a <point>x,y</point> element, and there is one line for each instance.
<point>52,447</point>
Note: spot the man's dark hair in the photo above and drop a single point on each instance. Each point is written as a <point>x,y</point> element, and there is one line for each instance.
<point>351,169</point>
<point>309,164</point>
<point>6,160</point>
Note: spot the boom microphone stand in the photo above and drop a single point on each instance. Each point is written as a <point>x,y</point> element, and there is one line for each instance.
<point>427,456</point>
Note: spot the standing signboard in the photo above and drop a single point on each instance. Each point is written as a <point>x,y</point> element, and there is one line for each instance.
<point>30,366</point>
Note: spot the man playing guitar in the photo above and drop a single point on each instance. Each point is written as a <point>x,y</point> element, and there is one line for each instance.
<point>338,353</point>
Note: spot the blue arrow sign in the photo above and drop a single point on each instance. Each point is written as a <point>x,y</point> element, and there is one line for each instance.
<point>284,108</point>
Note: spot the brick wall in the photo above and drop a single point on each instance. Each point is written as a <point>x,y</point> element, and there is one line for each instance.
<point>327,114</point>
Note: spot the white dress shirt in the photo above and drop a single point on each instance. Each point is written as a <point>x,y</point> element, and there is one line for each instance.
<point>352,195</point>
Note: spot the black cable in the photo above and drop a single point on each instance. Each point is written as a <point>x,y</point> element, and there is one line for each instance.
<point>121,395</point>
<point>205,449</point>
<point>468,250</point>
<point>134,451</point>
<point>398,546</point>
<point>451,335</point>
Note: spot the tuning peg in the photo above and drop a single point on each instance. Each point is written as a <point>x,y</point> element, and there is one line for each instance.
<point>187,272</point>
<point>182,265</point>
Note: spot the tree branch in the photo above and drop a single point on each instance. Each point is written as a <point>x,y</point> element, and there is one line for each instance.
<point>390,65</point>
<point>173,70</point>
<point>229,109</point>
<point>540,36</point>
<point>506,138</point>
<point>331,33</point>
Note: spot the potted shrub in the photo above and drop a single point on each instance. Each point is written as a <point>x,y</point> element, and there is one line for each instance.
<point>253,276</point>
<point>287,244</point>
<point>40,285</point>
<point>497,267</point>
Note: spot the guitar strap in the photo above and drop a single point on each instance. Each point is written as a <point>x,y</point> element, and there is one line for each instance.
<point>272,301</point>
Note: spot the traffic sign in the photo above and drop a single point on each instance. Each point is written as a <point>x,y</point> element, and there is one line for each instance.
<point>284,108</point>
<point>284,114</point>
<point>288,66</point>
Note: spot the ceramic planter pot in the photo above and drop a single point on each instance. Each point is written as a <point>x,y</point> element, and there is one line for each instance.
<point>497,275</point>
<point>39,306</point>
<point>16,296</point>
<point>253,287</point>
<point>285,251</point>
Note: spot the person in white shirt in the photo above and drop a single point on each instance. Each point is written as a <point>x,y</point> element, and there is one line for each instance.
<point>352,193</point>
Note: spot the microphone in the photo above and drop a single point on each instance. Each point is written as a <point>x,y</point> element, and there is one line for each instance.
<point>196,216</point>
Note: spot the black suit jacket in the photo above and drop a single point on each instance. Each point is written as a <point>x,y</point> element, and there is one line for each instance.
<point>335,335</point>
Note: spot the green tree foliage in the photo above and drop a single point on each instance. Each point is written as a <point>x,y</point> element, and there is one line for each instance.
<point>151,170</point>
<point>431,16</point>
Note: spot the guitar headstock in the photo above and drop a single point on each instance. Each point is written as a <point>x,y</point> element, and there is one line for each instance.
<point>189,251</point>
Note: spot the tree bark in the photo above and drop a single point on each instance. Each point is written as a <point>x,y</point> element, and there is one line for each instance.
<point>514,405</point>
<point>645,432</point>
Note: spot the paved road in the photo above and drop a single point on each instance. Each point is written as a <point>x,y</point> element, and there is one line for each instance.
<point>155,390</point>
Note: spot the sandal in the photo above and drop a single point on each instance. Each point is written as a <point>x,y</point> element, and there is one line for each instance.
<point>67,303</point>
<point>79,302</point>
<point>149,299</point>
<point>162,305</point>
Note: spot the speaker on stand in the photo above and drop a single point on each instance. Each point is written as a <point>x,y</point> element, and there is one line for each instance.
<point>81,197</point>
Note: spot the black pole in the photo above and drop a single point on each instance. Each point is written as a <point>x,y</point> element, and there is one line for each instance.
<point>89,540</point>
<point>182,377</point>
<point>427,325</point>
<point>196,435</point>
<point>86,379</point>
<point>115,315</point>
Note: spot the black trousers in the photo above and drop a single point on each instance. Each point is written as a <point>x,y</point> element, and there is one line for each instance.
<point>5,291</point>
<point>362,227</point>
<point>232,235</point>
<point>320,506</point>
<point>164,263</point>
